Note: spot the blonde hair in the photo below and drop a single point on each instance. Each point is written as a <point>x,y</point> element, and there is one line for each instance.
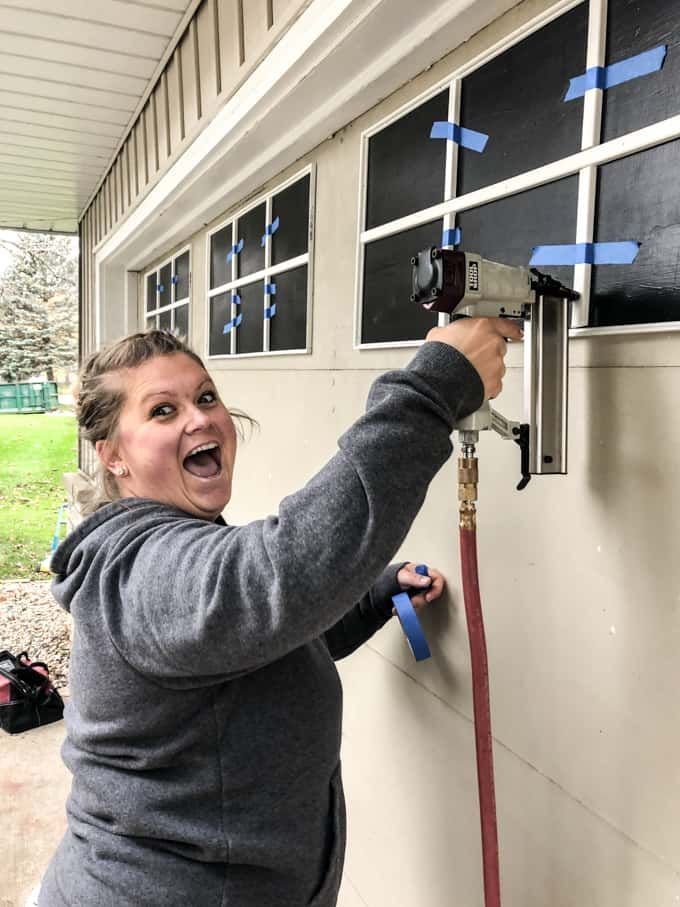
<point>99,401</point>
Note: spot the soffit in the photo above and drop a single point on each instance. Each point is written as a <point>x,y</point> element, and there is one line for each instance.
<point>72,77</point>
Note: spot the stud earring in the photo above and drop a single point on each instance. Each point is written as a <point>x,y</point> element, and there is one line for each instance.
<point>122,471</point>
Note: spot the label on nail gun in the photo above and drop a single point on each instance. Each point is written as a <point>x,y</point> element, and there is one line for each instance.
<point>473,275</point>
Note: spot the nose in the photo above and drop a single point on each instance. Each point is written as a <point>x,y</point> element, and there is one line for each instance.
<point>198,420</point>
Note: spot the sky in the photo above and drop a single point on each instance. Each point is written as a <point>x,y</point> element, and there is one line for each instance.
<point>5,255</point>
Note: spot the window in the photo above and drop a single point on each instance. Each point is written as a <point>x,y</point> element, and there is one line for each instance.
<point>167,295</point>
<point>258,275</point>
<point>571,167</point>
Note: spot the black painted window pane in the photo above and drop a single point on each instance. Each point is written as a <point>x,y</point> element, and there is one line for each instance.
<point>220,246</point>
<point>638,199</point>
<point>507,230</point>
<point>288,328</point>
<point>220,315</point>
<point>182,275</point>
<point>165,320</point>
<point>405,166</point>
<point>292,208</point>
<point>249,334</point>
<point>151,282</point>
<point>182,321</point>
<point>388,315</point>
<point>165,280</point>
<point>632,28</point>
<point>250,228</point>
<point>516,99</point>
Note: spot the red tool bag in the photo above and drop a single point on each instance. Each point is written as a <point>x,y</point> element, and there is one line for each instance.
<point>27,697</point>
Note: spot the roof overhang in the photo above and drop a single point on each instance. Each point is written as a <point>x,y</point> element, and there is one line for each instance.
<point>73,77</point>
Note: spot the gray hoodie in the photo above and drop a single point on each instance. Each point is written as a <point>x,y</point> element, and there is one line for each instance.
<point>203,732</point>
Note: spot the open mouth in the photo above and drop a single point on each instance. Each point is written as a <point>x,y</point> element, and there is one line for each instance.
<point>204,461</point>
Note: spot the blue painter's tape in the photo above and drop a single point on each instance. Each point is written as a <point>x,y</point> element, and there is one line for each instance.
<point>235,250</point>
<point>175,278</point>
<point>234,323</point>
<point>270,289</point>
<point>451,237</point>
<point>236,299</point>
<point>270,230</point>
<point>270,311</point>
<point>589,253</point>
<point>466,138</point>
<point>616,73</point>
<point>411,626</point>
<point>410,623</point>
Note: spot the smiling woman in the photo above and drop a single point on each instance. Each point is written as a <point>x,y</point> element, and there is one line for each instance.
<point>175,441</point>
<point>204,726</point>
<point>153,413</point>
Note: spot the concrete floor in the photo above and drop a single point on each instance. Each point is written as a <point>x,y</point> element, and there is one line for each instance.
<point>34,784</point>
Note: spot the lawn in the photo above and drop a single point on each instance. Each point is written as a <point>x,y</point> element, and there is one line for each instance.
<point>34,452</point>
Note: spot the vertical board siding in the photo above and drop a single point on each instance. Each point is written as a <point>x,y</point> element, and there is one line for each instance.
<point>140,155</point>
<point>175,105</point>
<point>161,121</point>
<point>207,54</point>
<point>150,138</point>
<point>228,33</point>
<point>255,31</point>
<point>189,76</point>
<point>124,200</point>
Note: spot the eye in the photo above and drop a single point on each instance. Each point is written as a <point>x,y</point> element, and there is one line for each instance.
<point>163,409</point>
<point>208,397</point>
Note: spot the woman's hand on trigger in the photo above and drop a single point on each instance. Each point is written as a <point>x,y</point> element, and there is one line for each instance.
<point>432,585</point>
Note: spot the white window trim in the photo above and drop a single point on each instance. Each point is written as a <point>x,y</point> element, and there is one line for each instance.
<point>584,163</point>
<point>269,270</point>
<point>174,303</point>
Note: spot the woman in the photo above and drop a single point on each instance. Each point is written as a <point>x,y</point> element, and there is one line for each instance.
<point>204,725</point>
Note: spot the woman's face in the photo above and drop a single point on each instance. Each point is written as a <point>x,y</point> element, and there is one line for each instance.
<point>175,437</point>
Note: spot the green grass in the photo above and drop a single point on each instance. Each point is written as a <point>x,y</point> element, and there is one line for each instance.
<point>34,452</point>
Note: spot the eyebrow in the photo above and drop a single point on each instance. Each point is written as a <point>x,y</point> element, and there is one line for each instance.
<point>170,393</point>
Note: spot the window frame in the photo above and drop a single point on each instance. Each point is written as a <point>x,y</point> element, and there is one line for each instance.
<point>584,163</point>
<point>174,303</point>
<point>264,275</point>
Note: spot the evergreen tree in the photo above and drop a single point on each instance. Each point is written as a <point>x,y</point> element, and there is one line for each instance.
<point>38,306</point>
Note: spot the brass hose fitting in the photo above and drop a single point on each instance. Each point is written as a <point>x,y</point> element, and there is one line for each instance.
<point>468,477</point>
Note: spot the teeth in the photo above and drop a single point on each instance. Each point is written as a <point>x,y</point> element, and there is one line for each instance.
<point>211,445</point>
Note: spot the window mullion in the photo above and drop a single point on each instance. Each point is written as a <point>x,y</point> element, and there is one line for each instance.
<point>451,171</point>
<point>266,322</point>
<point>234,307</point>
<point>587,182</point>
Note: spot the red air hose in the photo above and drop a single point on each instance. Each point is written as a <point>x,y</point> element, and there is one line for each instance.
<point>480,680</point>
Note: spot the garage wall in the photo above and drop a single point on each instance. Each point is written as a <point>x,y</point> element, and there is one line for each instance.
<point>581,592</point>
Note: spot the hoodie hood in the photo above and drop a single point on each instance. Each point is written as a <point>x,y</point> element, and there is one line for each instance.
<point>88,545</point>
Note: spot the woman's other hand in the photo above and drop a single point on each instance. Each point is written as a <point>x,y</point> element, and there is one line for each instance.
<point>483,343</point>
<point>431,585</point>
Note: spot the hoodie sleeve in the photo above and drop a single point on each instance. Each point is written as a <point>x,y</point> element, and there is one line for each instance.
<point>185,597</point>
<point>367,617</point>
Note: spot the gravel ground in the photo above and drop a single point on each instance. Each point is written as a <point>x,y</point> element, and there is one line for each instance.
<point>31,621</point>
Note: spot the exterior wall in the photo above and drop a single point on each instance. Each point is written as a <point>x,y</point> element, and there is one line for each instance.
<point>580,589</point>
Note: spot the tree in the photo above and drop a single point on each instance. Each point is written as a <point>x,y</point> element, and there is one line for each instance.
<point>38,306</point>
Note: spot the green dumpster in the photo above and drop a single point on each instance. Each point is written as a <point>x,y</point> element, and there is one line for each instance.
<point>29,397</point>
